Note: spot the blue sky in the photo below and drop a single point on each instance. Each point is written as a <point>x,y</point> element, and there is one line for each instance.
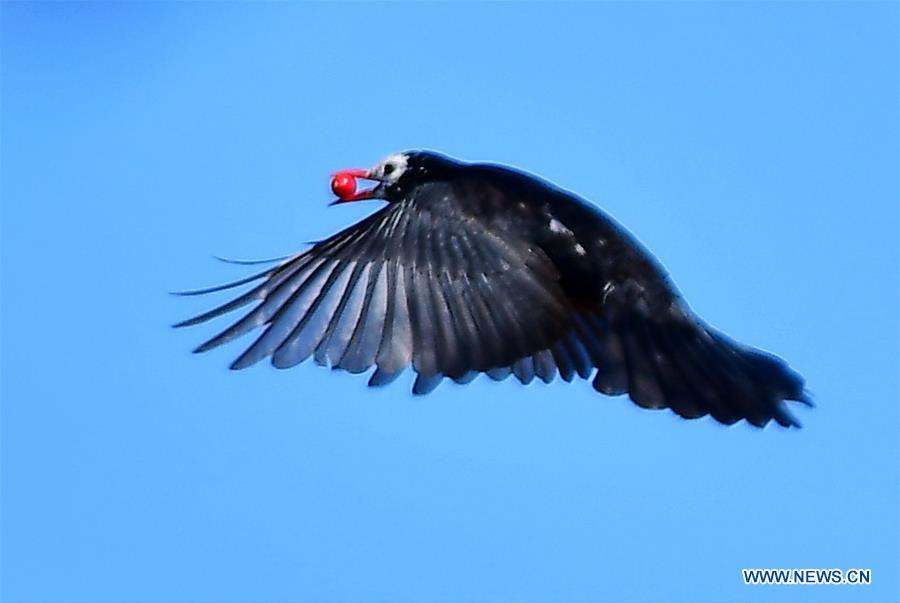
<point>752,147</point>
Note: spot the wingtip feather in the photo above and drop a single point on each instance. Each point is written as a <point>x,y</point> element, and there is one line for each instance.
<point>250,262</point>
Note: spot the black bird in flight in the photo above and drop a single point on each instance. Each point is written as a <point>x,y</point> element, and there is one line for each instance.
<point>479,268</point>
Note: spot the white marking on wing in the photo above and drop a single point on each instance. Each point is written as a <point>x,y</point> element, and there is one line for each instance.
<point>559,228</point>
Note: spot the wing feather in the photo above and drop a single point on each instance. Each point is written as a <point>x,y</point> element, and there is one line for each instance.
<point>363,346</point>
<point>343,322</point>
<point>396,348</point>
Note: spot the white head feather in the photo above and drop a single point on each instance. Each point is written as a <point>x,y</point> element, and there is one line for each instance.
<point>390,168</point>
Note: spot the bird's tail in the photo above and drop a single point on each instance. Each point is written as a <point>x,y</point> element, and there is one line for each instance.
<point>679,363</point>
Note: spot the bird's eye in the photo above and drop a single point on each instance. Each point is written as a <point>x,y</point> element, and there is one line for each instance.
<point>388,168</point>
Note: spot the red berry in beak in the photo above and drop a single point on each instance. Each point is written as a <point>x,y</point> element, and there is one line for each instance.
<point>343,185</point>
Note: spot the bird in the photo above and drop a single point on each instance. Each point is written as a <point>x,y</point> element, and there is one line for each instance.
<point>472,268</point>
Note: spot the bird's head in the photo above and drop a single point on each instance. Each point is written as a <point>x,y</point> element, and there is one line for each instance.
<point>395,176</point>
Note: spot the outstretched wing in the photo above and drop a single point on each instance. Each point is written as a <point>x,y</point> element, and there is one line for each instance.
<point>410,284</point>
<point>438,282</point>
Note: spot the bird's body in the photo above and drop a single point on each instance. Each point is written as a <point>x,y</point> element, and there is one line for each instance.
<point>474,268</point>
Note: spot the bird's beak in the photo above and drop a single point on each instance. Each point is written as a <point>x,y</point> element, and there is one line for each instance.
<point>362,195</point>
